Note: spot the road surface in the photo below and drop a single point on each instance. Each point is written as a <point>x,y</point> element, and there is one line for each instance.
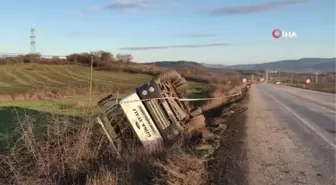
<point>290,136</point>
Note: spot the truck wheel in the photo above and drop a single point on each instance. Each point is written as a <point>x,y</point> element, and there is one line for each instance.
<point>175,78</point>
<point>195,123</point>
<point>183,87</point>
<point>196,112</point>
<point>207,135</point>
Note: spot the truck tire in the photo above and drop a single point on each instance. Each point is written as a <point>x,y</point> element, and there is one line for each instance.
<point>196,112</point>
<point>195,123</point>
<point>175,78</point>
<point>207,135</point>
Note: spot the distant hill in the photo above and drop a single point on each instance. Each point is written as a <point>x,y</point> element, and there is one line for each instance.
<point>214,65</point>
<point>208,69</point>
<point>178,65</point>
<point>323,64</point>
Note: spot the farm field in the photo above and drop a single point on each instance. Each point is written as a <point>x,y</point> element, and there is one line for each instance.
<point>34,77</point>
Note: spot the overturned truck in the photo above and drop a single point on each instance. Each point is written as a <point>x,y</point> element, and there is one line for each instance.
<point>151,117</point>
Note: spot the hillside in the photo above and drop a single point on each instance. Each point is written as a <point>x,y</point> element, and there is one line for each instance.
<point>225,71</point>
<point>324,64</point>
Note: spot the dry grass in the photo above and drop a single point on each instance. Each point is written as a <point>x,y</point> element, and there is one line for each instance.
<point>223,91</point>
<point>182,168</point>
<point>51,152</point>
<point>72,150</point>
<point>103,177</point>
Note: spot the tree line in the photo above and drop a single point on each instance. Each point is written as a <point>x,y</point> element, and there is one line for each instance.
<point>84,58</point>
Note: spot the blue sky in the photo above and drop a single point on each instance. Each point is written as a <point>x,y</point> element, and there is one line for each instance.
<point>209,31</point>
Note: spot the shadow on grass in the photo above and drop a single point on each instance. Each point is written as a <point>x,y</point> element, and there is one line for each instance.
<point>196,95</point>
<point>11,117</point>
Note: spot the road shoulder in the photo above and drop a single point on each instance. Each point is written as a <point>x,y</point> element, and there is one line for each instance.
<point>274,155</point>
<point>227,166</point>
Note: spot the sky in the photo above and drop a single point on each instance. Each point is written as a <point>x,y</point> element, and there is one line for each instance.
<point>208,31</point>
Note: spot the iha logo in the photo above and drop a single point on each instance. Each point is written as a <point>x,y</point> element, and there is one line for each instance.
<point>277,34</point>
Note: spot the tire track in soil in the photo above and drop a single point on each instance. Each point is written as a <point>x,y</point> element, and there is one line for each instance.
<point>16,78</point>
<point>227,167</point>
<point>100,80</point>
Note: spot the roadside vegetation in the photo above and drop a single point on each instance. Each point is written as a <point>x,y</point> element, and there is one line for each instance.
<point>49,148</point>
<point>324,81</point>
<point>48,133</point>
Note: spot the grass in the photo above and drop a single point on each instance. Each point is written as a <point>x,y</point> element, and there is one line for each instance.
<point>35,77</point>
<point>196,85</point>
<point>72,152</point>
<point>54,105</point>
<point>57,141</point>
<point>50,150</point>
<point>29,77</point>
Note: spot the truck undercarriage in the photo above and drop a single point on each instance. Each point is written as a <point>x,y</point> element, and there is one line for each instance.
<point>151,117</point>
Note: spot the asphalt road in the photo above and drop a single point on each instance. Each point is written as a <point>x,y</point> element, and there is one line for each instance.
<point>310,115</point>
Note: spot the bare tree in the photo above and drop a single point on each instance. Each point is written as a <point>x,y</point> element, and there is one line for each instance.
<point>124,57</point>
<point>106,56</point>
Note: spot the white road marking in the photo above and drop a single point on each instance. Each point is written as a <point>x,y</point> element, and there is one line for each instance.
<point>306,123</point>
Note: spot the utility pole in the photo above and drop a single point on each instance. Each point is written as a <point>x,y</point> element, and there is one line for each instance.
<point>316,77</point>
<point>266,75</point>
<point>91,71</point>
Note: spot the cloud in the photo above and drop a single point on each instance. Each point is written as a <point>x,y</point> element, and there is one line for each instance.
<point>255,8</point>
<point>177,46</point>
<point>127,4</point>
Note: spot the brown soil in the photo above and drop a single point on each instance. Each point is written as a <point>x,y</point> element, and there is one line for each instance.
<point>225,168</point>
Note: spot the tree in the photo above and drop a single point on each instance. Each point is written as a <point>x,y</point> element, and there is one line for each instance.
<point>73,57</point>
<point>32,57</point>
<point>106,56</point>
<point>129,58</point>
<point>124,58</point>
<point>330,77</point>
<point>119,57</point>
